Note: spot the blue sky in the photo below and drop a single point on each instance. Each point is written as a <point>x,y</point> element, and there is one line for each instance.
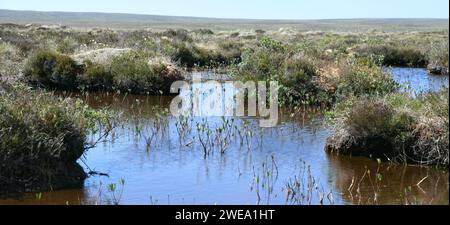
<point>255,9</point>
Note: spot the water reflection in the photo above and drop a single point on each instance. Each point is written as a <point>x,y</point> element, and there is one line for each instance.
<point>396,184</point>
<point>162,164</point>
<point>417,80</point>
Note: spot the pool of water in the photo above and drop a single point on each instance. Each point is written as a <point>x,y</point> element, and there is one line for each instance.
<point>418,80</point>
<point>161,163</point>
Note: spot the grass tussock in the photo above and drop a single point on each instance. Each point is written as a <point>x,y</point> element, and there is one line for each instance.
<point>41,139</point>
<point>438,58</point>
<point>395,127</point>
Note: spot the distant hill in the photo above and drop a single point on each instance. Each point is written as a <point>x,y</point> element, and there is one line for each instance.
<point>136,21</point>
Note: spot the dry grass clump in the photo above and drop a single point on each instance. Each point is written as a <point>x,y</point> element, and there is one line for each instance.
<point>41,139</point>
<point>438,58</point>
<point>396,127</point>
<point>11,61</point>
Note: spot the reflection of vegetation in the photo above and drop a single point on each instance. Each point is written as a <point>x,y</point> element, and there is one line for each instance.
<point>116,195</point>
<point>304,189</point>
<point>370,182</point>
<point>264,180</point>
<point>312,69</point>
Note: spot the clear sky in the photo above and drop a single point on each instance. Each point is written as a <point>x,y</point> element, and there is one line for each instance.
<point>255,9</point>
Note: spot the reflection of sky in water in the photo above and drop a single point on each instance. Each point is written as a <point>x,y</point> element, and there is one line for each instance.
<point>417,81</point>
<point>172,173</point>
<point>214,98</point>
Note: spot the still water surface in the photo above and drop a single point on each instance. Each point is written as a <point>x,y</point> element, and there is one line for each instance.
<point>168,169</point>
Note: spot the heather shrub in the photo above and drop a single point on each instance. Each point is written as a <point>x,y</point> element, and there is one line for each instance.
<point>131,72</point>
<point>395,55</point>
<point>48,68</point>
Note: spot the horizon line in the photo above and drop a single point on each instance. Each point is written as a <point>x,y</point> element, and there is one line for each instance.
<point>232,18</point>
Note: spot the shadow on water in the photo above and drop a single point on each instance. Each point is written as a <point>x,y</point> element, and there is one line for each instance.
<point>162,161</point>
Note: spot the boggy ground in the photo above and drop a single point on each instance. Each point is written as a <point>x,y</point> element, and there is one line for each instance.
<point>344,70</point>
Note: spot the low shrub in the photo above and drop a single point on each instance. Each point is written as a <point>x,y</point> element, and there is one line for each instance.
<point>231,51</point>
<point>127,72</point>
<point>395,56</point>
<point>296,75</point>
<point>179,34</point>
<point>10,58</point>
<point>363,77</point>
<point>52,69</point>
<point>67,46</point>
<point>203,31</point>
<point>191,56</point>
<point>299,84</point>
<point>96,77</point>
<point>264,62</point>
<point>131,72</point>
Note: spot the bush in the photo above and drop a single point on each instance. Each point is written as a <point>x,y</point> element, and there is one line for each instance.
<point>203,31</point>
<point>67,46</point>
<point>193,56</point>
<point>188,57</point>
<point>96,77</point>
<point>395,56</point>
<point>131,72</point>
<point>364,77</point>
<point>231,51</point>
<point>299,86</point>
<point>52,69</point>
<point>296,75</point>
<point>41,138</point>
<point>179,34</point>
<point>265,62</point>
